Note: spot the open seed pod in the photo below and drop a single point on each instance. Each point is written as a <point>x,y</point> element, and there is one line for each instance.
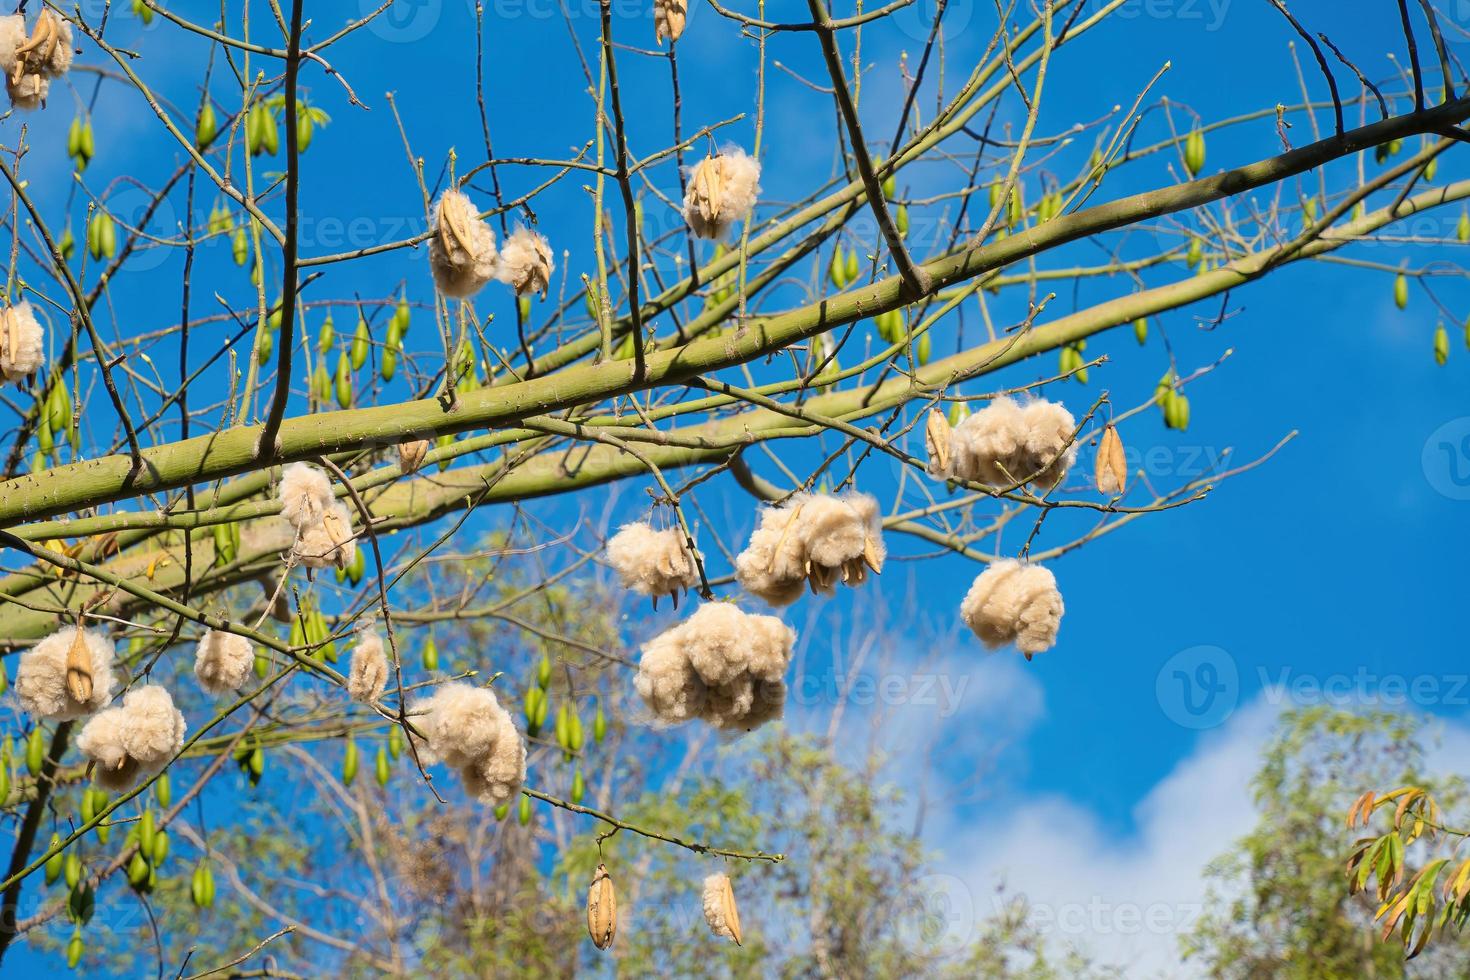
<point>602,909</point>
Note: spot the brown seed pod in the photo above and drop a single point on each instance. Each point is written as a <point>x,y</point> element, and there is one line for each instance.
<point>938,439</point>
<point>1112,469</point>
<point>668,19</point>
<point>411,455</point>
<point>602,909</point>
<point>79,668</point>
<point>720,910</point>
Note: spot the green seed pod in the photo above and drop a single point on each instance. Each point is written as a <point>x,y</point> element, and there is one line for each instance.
<point>44,440</point>
<point>401,314</point>
<point>958,412</point>
<point>81,902</point>
<point>543,671</point>
<point>58,402</point>
<point>4,686</point>
<point>224,544</point>
<point>344,381</point>
<point>1182,416</point>
<point>160,849</point>
<point>599,725</point>
<point>256,764</point>
<point>579,785</point>
<point>147,827</point>
<point>1140,330</point>
<point>1194,152</point>
<point>68,244</point>
<point>524,811</point>
<point>380,767</point>
<point>321,383</point>
<point>163,790</point>
<point>890,186</point>
<point>326,335</point>
<point>625,349</point>
<point>138,870</point>
<point>55,862</point>
<point>1401,291</point>
<point>35,751</point>
<point>240,247</point>
<point>395,741</point>
<point>921,348</point>
<point>71,869</point>
<point>502,811</point>
<point>262,665</point>
<point>1017,213</point>
<point>563,719</point>
<point>1441,345</point>
<point>1196,253</point>
<point>74,137</point>
<point>534,704</point>
<point>837,271</point>
<point>901,220</point>
<point>265,345</point>
<point>574,731</point>
<point>349,762</point>
<point>74,946</point>
<point>1431,169</point>
<point>358,566</point>
<point>431,654</point>
<point>591,305</point>
<point>444,442</point>
<point>388,366</point>
<point>361,341</point>
<point>523,307</point>
<point>304,129</point>
<point>197,888</point>
<point>993,194</point>
<point>1394,146</point>
<point>852,268</point>
<point>144,12</point>
<point>206,127</point>
<point>1462,230</point>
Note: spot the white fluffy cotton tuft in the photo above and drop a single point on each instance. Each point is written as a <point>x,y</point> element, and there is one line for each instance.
<point>812,539</point>
<point>41,680</point>
<point>652,563</point>
<point>22,341</point>
<point>222,662</point>
<point>367,674</point>
<point>719,908</point>
<point>668,19</point>
<point>323,523</point>
<point>134,739</point>
<point>462,252</point>
<point>1014,602</point>
<point>722,190</point>
<point>1006,443</point>
<point>721,664</point>
<point>31,62</point>
<point>466,727</point>
<point>525,262</point>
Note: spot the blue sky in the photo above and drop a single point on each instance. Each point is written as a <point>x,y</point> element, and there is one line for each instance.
<point>1343,556</point>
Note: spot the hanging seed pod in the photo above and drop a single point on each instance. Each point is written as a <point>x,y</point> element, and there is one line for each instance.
<point>265,345</point>
<point>837,271</point>
<point>101,235</point>
<point>431,654</point>
<point>343,381</point>
<point>270,134</point>
<point>1462,230</point>
<point>1111,471</point>
<point>534,708</point>
<point>71,869</point>
<point>381,769</point>
<point>75,948</point>
<point>901,220</point>
<point>163,791</point>
<point>138,870</point>
<point>1194,152</point>
<point>1017,208</point>
<point>197,891</point>
<point>147,827</point>
<point>599,725</point>
<point>1140,330</point>
<point>321,383</point>
<point>720,910</point>
<point>304,128</point>
<point>388,366</point>
<point>58,404</point>
<point>579,786</point>
<point>938,441</point>
<point>400,320</point>
<point>502,811</point>
<point>206,127</point>
<point>240,247</point>
<point>349,762</point>
<point>68,244</point>
<point>922,348</point>
<point>262,665</point>
<point>602,909</point>
<point>852,270</point>
<point>55,862</point>
<point>1401,291</point>
<point>1195,254</point>
<point>523,811</point>
<point>1441,345</point>
<point>395,741</point>
<point>543,671</point>
<point>326,335</point>
<point>444,442</point>
<point>358,566</point>
<point>159,853</point>
<point>669,17</point>
<point>35,751</point>
<point>4,686</point>
<point>361,341</point>
<point>81,902</point>
<point>1431,169</point>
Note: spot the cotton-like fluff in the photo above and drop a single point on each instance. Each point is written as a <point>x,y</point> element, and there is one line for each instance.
<point>30,62</point>
<point>306,494</point>
<point>652,563</point>
<point>720,910</point>
<point>722,190</point>
<point>329,541</point>
<point>222,662</point>
<point>467,728</point>
<point>367,674</point>
<point>721,664</point>
<point>668,19</point>
<point>525,262</point>
<point>462,252</point>
<point>812,539</point>
<point>1014,602</point>
<point>22,342</point>
<point>1006,443</point>
<point>67,675</point>
<point>134,739</point>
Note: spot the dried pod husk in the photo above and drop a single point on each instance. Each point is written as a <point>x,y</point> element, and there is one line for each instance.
<point>79,669</point>
<point>462,252</point>
<point>938,441</point>
<point>525,262</point>
<point>22,342</point>
<point>411,455</point>
<point>668,19</point>
<point>722,190</point>
<point>720,910</point>
<point>1111,468</point>
<point>602,909</point>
